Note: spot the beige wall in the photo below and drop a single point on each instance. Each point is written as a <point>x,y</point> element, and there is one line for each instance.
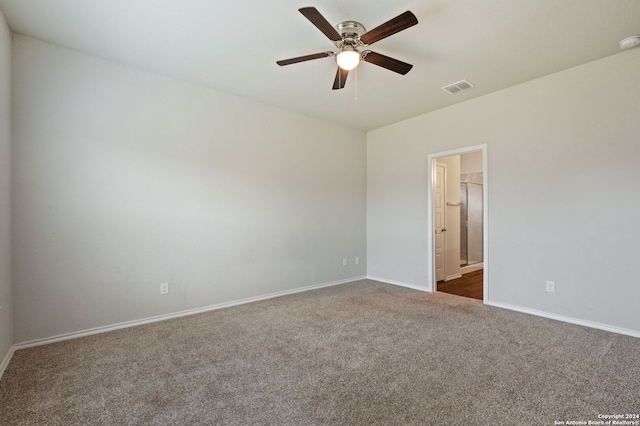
<point>126,179</point>
<point>6,297</point>
<point>471,163</point>
<point>563,171</point>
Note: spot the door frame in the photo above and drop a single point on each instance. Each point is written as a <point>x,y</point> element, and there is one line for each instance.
<point>432,158</point>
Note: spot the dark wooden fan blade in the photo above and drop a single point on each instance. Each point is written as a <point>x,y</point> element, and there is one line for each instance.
<point>312,14</point>
<point>341,79</point>
<point>387,62</point>
<point>304,58</point>
<point>395,25</point>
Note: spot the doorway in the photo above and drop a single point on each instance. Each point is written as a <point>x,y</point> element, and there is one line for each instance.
<point>458,222</point>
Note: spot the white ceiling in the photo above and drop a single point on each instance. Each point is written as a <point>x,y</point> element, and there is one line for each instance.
<point>233,46</point>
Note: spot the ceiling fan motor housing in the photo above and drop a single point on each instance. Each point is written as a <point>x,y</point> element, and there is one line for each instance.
<point>350,32</point>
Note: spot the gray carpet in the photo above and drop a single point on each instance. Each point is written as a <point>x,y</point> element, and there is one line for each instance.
<point>355,354</point>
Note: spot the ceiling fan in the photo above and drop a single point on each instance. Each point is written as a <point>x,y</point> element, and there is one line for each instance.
<point>348,36</point>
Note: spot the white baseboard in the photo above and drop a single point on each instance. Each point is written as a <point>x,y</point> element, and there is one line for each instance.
<point>453,277</point>
<point>570,320</point>
<point>127,324</point>
<point>6,360</point>
<point>97,330</point>
<point>471,268</point>
<point>398,283</point>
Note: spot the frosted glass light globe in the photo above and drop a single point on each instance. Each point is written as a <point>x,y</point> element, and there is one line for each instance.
<point>348,59</point>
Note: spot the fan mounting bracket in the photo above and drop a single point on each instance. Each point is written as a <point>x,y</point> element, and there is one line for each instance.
<point>350,31</point>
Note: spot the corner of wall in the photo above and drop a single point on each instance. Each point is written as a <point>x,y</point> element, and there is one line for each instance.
<point>6,282</point>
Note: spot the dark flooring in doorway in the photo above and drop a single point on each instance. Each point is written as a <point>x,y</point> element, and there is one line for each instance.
<point>469,285</point>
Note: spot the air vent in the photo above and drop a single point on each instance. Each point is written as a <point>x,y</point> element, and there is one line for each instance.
<point>457,87</point>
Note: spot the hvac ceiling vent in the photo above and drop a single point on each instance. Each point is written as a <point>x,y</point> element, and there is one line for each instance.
<point>457,87</point>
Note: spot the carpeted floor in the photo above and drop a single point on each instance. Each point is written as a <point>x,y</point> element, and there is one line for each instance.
<point>355,354</point>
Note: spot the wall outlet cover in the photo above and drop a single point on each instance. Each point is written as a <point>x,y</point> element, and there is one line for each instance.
<point>551,286</point>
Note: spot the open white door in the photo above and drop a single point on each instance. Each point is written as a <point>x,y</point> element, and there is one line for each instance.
<point>439,219</point>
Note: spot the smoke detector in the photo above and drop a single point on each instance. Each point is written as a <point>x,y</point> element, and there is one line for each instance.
<point>630,42</point>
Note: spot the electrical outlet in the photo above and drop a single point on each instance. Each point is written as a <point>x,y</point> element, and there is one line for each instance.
<point>551,286</point>
<point>344,261</point>
<point>164,288</point>
<point>357,260</point>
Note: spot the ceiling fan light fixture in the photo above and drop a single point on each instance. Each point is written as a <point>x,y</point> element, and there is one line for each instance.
<point>348,58</point>
<point>348,36</point>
